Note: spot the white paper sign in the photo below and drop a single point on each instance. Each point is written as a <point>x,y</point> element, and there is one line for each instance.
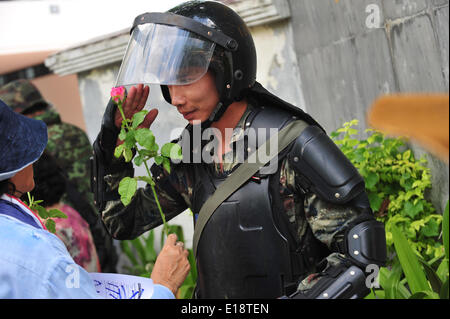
<point>116,286</point>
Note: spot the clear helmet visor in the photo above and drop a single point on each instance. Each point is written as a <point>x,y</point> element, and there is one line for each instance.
<point>164,55</point>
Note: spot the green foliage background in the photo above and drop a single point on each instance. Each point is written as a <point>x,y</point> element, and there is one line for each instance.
<point>397,185</point>
<point>416,235</point>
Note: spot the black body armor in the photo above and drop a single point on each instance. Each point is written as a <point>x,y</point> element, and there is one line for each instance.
<point>242,254</point>
<point>247,249</point>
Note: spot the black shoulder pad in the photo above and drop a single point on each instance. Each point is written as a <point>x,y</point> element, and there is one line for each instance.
<point>323,168</point>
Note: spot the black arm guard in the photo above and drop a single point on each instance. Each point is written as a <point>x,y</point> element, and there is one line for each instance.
<point>324,169</point>
<point>338,282</point>
<point>104,147</point>
<point>365,245</point>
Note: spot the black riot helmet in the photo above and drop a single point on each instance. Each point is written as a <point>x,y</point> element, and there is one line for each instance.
<point>178,47</point>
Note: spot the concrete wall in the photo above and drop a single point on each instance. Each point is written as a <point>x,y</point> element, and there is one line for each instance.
<point>347,59</point>
<point>277,61</point>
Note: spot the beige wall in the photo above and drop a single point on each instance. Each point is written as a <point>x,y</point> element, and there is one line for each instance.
<point>63,93</point>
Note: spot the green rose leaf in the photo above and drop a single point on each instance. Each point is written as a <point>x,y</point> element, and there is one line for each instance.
<point>130,140</point>
<point>159,160</point>
<point>118,151</point>
<point>123,134</point>
<point>172,151</point>
<point>127,189</point>
<point>138,160</point>
<point>42,212</point>
<point>138,118</point>
<point>128,155</point>
<point>166,164</point>
<point>56,213</point>
<point>148,153</point>
<point>51,225</point>
<point>145,138</point>
<point>147,179</point>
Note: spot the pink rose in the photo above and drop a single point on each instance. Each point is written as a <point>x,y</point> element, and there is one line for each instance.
<point>118,94</point>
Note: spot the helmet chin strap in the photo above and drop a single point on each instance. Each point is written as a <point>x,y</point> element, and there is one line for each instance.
<point>217,114</point>
<point>219,110</point>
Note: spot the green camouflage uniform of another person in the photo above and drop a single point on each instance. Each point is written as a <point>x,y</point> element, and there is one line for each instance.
<point>71,148</point>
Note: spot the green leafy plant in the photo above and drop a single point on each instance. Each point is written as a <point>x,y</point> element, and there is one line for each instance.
<point>397,185</point>
<point>142,255</point>
<point>46,215</point>
<point>139,146</point>
<point>411,277</point>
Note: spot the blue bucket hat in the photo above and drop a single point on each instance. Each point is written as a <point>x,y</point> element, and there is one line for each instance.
<point>22,141</point>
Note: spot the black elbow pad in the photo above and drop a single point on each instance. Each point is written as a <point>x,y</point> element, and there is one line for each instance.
<point>366,243</point>
<point>323,168</point>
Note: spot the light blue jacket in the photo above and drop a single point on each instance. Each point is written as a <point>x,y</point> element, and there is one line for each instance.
<point>34,263</point>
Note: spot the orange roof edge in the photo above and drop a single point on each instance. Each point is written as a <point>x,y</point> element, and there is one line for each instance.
<point>11,62</point>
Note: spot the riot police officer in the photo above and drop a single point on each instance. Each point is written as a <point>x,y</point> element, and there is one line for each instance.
<point>300,227</point>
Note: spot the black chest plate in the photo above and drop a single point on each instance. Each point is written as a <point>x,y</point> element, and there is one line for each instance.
<point>241,253</point>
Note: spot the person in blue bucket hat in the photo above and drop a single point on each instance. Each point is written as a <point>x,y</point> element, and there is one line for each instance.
<point>34,263</point>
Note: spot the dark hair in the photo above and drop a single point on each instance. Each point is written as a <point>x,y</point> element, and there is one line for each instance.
<point>49,179</point>
<point>6,187</point>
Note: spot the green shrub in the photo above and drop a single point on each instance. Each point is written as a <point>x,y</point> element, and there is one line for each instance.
<point>397,185</point>
<point>411,277</point>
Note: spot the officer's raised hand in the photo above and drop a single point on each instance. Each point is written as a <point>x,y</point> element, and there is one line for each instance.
<point>107,139</point>
<point>135,102</point>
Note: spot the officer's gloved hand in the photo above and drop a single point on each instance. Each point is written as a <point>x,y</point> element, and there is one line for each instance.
<point>134,102</point>
<point>341,279</point>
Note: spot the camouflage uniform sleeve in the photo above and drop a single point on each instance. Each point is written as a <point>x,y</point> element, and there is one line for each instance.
<point>328,223</point>
<point>142,214</point>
